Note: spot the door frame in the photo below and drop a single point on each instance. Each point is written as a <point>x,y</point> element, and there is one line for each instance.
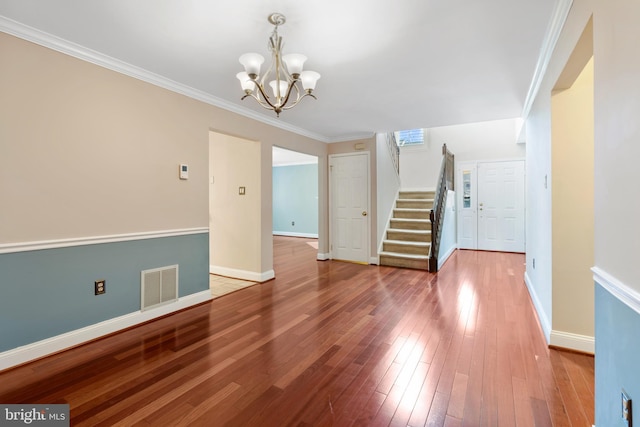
<point>367,155</point>
<point>474,164</point>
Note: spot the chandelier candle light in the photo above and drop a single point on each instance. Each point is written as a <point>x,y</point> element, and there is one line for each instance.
<point>283,80</point>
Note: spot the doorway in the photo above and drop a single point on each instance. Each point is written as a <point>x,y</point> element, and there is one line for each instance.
<point>295,194</point>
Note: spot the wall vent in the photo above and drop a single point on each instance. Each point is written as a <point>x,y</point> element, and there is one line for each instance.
<point>158,286</point>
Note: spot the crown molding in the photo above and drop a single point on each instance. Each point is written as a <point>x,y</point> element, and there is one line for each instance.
<point>558,19</point>
<point>75,50</point>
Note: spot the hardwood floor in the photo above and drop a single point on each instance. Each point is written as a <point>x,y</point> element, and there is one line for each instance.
<point>330,344</point>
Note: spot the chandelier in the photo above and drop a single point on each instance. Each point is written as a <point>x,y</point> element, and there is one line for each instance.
<point>284,75</point>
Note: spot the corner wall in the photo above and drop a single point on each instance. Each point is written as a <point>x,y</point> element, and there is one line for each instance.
<point>540,173</point>
<point>617,209</point>
<point>572,213</point>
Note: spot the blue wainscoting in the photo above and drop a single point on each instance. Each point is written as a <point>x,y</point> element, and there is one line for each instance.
<point>45,293</point>
<point>617,360</point>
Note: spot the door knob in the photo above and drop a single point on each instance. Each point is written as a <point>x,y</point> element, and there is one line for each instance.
<point>364,213</point>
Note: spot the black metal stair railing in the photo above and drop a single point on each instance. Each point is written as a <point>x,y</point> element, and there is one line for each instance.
<point>445,183</point>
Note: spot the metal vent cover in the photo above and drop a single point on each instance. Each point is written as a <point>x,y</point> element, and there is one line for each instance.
<point>158,286</point>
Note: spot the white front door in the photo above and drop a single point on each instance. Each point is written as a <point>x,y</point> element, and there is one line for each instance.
<point>466,194</point>
<point>501,206</point>
<point>349,175</point>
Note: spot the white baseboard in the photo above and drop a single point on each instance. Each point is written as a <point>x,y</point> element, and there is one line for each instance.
<point>292,234</point>
<point>374,260</point>
<point>542,316</point>
<point>323,257</point>
<point>242,274</point>
<point>29,352</point>
<point>583,343</point>
<point>446,256</point>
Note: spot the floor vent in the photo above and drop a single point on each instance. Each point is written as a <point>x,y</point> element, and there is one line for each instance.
<point>159,286</point>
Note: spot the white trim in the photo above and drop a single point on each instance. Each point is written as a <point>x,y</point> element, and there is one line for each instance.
<point>6,248</point>
<point>75,50</point>
<point>366,153</point>
<point>446,256</point>
<point>558,18</point>
<point>242,274</point>
<point>627,295</point>
<point>292,234</point>
<point>64,341</point>
<point>323,257</point>
<point>374,260</point>
<point>542,316</point>
<point>583,343</point>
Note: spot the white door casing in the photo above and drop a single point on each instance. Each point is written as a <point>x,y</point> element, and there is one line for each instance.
<point>349,220</point>
<point>501,206</point>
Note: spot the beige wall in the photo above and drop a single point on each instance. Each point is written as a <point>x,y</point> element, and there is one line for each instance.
<point>617,135</point>
<point>87,152</point>
<point>235,234</point>
<point>572,127</point>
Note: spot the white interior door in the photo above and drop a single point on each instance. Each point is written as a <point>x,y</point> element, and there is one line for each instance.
<point>350,207</point>
<point>466,194</point>
<point>501,206</point>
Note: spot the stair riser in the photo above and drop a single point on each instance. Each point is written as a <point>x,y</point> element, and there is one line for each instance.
<point>408,237</point>
<point>410,214</point>
<point>405,249</point>
<point>404,263</point>
<point>409,225</point>
<point>416,195</point>
<point>413,204</point>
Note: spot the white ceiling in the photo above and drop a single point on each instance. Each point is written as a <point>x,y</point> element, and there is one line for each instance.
<point>386,65</point>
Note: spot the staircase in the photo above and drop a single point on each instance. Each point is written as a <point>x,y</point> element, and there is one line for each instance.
<point>408,238</point>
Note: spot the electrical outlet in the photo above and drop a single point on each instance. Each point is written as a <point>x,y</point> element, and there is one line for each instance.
<point>242,191</point>
<point>627,414</point>
<point>100,287</point>
<point>293,223</point>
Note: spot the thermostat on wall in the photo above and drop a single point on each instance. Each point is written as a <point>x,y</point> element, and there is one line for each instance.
<point>184,171</point>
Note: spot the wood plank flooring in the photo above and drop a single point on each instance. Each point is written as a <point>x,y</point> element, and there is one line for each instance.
<point>330,344</point>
